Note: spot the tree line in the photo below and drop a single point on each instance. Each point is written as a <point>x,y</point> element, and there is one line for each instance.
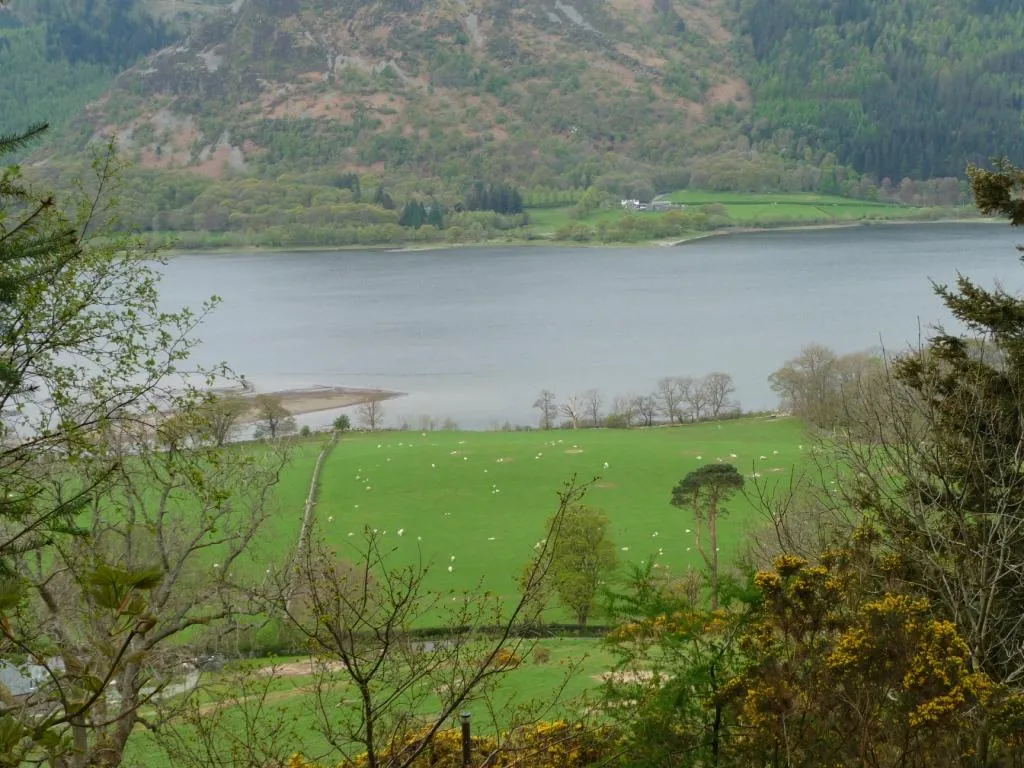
<point>676,400</point>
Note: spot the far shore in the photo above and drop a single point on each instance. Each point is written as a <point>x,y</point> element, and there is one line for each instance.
<point>546,242</point>
<point>815,227</point>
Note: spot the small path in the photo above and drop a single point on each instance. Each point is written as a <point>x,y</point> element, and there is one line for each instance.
<point>311,497</point>
<point>305,668</point>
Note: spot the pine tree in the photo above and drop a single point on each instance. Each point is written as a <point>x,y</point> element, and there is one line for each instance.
<point>435,215</point>
<point>413,214</point>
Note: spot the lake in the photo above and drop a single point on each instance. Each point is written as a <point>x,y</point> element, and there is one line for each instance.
<point>475,333</point>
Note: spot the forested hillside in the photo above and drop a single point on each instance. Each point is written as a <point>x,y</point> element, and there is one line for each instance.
<point>900,88</point>
<point>226,106</point>
<point>56,56</point>
<point>540,92</point>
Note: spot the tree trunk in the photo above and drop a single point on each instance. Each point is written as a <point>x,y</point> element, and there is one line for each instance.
<point>371,748</point>
<point>713,536</point>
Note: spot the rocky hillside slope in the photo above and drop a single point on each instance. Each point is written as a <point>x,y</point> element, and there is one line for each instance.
<point>537,91</point>
<point>758,95</point>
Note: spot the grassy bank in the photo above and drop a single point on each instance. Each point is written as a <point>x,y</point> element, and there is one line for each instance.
<point>483,497</point>
<point>699,213</point>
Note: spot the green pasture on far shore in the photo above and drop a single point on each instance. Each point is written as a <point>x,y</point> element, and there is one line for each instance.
<point>740,209</point>
<point>703,197</point>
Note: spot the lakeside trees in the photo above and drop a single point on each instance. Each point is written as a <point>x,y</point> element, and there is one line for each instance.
<point>370,414</point>
<point>826,389</point>
<point>676,399</point>
<point>273,420</point>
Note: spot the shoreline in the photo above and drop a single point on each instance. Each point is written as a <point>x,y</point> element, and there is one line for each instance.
<point>299,402</point>
<point>816,227</point>
<point>546,242</point>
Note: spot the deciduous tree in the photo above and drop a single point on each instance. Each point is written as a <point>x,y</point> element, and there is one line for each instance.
<point>719,388</point>
<point>273,419</point>
<point>91,364</point>
<point>222,416</point>
<point>583,557</point>
<point>593,400</point>
<point>548,408</point>
<point>574,410</point>
<point>646,407</point>
<point>187,517</point>
<point>670,393</point>
<point>371,414</point>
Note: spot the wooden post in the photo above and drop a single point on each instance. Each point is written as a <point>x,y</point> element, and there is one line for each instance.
<point>467,743</point>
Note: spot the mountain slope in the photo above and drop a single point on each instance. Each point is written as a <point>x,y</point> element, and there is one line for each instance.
<point>536,91</point>
<point>899,88</point>
<point>58,55</point>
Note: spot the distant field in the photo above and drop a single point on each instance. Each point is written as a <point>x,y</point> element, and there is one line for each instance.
<point>770,210</point>
<point>797,213</point>
<point>752,210</point>
<point>699,197</point>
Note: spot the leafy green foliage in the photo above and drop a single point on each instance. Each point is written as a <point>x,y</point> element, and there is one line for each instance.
<point>582,558</point>
<point>36,244</point>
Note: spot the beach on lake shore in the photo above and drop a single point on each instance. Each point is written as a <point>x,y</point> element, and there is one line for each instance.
<point>315,399</point>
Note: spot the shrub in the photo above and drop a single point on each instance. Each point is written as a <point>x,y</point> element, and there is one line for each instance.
<point>507,659</point>
<point>543,745</point>
<point>617,421</point>
<point>541,655</point>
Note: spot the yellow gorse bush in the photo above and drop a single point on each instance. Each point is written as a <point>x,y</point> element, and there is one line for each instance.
<point>555,744</point>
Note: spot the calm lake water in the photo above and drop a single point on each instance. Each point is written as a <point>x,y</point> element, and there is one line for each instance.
<point>475,333</point>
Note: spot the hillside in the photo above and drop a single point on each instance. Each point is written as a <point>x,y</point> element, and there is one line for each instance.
<point>907,88</point>
<point>56,56</point>
<point>285,118</point>
<point>541,92</point>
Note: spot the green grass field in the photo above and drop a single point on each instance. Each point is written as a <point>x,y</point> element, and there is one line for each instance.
<point>752,210</point>
<point>701,197</point>
<point>768,210</point>
<point>574,668</point>
<point>484,497</point>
